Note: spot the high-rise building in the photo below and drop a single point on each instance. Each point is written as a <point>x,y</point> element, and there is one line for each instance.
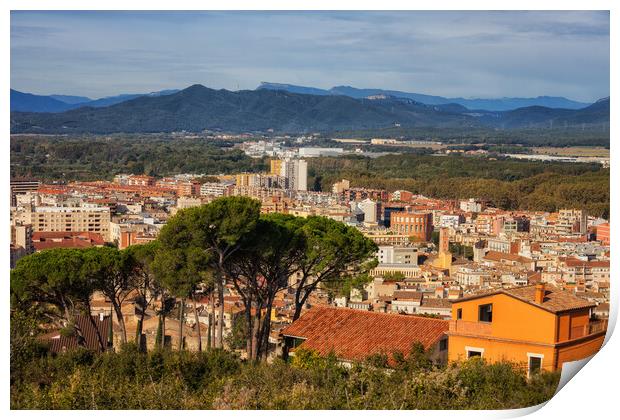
<point>371,209</point>
<point>296,173</point>
<point>276,166</point>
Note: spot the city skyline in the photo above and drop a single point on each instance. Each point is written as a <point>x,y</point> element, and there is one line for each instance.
<point>484,54</point>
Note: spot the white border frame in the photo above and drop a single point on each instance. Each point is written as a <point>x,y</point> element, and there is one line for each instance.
<point>602,369</point>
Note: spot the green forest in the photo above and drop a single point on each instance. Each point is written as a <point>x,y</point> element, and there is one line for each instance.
<point>506,183</point>
<point>557,137</point>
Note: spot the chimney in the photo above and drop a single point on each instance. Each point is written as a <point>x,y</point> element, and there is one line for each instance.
<point>539,296</point>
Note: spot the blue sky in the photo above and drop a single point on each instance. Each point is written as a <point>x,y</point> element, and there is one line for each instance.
<point>468,54</point>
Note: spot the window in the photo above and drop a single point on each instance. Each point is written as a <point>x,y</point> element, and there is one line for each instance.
<point>473,353</point>
<point>459,313</point>
<point>534,364</point>
<point>443,344</point>
<point>485,313</point>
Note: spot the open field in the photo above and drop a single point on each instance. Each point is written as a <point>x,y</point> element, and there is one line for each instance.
<point>576,151</point>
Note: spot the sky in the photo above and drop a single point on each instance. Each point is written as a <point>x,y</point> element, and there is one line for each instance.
<point>472,54</point>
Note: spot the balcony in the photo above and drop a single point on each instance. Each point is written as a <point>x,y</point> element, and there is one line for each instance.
<point>470,328</point>
<point>590,328</point>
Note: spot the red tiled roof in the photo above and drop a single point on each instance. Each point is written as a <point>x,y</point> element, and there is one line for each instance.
<point>436,303</point>
<point>48,240</point>
<point>59,343</point>
<point>354,334</point>
<point>498,256</point>
<point>575,262</point>
<point>407,295</point>
<point>555,300</point>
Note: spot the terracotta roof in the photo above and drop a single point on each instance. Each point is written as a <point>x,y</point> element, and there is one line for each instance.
<point>407,295</point>
<point>498,256</point>
<point>575,262</point>
<point>47,240</point>
<point>436,303</point>
<point>555,300</point>
<point>534,277</point>
<point>59,343</point>
<point>353,334</point>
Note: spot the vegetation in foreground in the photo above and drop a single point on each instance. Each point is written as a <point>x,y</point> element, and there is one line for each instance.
<point>217,379</point>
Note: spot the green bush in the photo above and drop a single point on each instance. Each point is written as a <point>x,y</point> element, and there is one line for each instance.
<point>217,379</point>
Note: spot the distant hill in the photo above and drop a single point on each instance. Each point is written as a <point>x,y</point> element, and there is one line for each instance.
<point>595,115</point>
<point>197,108</point>
<point>498,104</point>
<point>113,100</point>
<point>27,102</point>
<point>36,103</point>
<point>68,99</point>
<point>294,88</point>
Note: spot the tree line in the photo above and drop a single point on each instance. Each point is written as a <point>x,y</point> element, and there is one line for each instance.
<point>509,184</point>
<point>199,252</point>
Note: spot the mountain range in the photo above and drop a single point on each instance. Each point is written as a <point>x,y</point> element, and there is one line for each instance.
<point>198,108</point>
<point>497,104</point>
<point>28,102</point>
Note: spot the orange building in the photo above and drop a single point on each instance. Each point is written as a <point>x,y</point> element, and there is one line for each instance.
<point>129,238</point>
<point>188,189</point>
<point>602,233</point>
<point>537,327</point>
<point>414,224</point>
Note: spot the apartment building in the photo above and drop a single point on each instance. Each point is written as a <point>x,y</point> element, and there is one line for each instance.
<point>578,274</point>
<point>571,221</point>
<point>397,255</point>
<point>141,180</point>
<point>70,219</point>
<point>214,189</point>
<point>296,173</point>
<point>471,206</point>
<point>414,224</point>
<point>371,209</point>
<point>22,186</point>
<point>188,188</point>
<point>602,233</point>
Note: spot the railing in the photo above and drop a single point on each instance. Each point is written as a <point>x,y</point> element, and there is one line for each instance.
<point>469,327</point>
<point>590,328</point>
